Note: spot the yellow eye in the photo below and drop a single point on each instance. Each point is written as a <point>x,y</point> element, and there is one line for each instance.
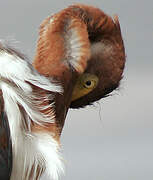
<point>85,84</point>
<point>90,84</point>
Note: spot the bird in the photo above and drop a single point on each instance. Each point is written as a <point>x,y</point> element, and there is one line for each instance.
<point>79,59</point>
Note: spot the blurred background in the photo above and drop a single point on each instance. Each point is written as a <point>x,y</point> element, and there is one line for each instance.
<point>112,140</point>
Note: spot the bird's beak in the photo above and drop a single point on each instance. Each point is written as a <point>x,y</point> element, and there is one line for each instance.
<point>63,101</point>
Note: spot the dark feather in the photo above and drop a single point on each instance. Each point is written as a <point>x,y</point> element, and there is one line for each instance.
<point>5,145</point>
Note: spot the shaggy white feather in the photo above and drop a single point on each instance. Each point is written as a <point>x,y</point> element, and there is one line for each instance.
<point>18,70</point>
<point>31,151</point>
<point>38,151</point>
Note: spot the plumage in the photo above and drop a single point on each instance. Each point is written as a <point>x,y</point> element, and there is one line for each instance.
<point>26,96</point>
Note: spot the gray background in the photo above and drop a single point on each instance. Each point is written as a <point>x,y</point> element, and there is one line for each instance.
<point>112,140</point>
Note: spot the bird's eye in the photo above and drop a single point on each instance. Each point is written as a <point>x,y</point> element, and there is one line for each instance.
<point>85,84</point>
<point>90,84</point>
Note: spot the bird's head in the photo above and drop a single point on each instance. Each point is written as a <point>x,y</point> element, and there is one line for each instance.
<point>82,48</point>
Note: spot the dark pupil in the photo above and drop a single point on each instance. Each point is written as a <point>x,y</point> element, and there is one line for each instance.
<point>88,83</point>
